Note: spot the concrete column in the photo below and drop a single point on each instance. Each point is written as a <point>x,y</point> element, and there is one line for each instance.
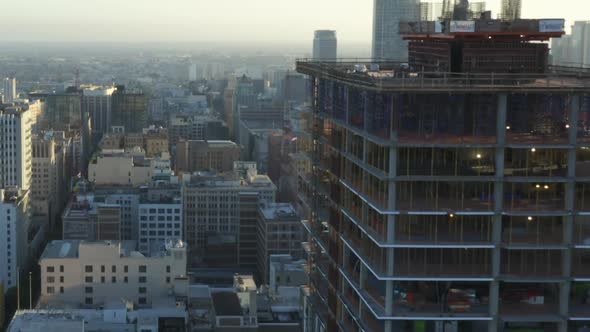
<point>564,298</point>
<point>365,157</point>
<point>573,118</point>
<point>363,275</point>
<point>498,208</point>
<point>570,192</point>
<point>389,297</point>
<point>346,104</point>
<point>494,297</point>
<point>388,326</point>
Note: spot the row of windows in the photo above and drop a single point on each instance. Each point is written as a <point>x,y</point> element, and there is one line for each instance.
<point>160,233</point>
<point>167,225</point>
<point>160,211</point>
<point>90,268</point>
<point>160,218</point>
<point>89,300</point>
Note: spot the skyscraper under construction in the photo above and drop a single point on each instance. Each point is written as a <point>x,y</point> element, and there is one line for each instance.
<point>452,192</point>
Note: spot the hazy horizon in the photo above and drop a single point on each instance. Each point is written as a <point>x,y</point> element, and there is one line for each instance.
<point>219,21</point>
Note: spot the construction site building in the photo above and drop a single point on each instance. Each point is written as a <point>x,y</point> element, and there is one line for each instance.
<point>452,192</point>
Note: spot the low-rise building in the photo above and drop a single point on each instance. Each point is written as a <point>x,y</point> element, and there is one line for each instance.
<point>196,127</point>
<point>117,167</point>
<point>152,140</point>
<point>85,219</point>
<point>193,156</point>
<point>285,271</point>
<point>92,274</point>
<point>116,317</point>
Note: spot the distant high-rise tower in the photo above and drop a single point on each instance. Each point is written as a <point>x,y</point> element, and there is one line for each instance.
<point>511,9</point>
<point>9,89</point>
<point>192,72</point>
<point>325,45</point>
<point>387,14</point>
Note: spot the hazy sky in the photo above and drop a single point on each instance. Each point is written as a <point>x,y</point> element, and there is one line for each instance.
<point>214,20</point>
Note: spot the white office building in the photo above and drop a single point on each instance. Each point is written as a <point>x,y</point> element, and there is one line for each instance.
<point>14,223</point>
<point>159,222</point>
<point>16,151</point>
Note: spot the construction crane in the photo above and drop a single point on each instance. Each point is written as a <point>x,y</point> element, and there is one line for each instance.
<point>511,10</point>
<point>448,9</point>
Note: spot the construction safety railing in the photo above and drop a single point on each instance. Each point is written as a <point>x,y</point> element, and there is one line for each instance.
<point>385,75</point>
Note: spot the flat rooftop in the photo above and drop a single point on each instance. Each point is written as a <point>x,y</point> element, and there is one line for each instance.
<point>278,211</point>
<point>226,303</point>
<point>389,76</point>
<point>61,249</point>
<point>87,320</point>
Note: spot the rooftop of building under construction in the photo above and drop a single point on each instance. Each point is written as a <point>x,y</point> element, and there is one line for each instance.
<point>483,54</point>
<point>395,76</point>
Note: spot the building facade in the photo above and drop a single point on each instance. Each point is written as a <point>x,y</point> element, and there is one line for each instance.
<point>279,233</point>
<point>129,110</point>
<point>211,203</point>
<point>16,124</point>
<point>14,229</point>
<point>85,219</point>
<point>49,177</point>
<point>158,222</point>
<point>94,274</point>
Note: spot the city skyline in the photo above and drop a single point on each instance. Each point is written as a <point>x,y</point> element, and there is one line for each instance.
<point>223,20</point>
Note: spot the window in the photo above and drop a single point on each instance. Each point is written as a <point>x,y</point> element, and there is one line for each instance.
<point>50,290</point>
<point>142,290</point>
<point>125,279</point>
<point>50,280</point>
<point>113,269</point>
<point>88,290</point>
<point>142,300</point>
<point>142,269</point>
<point>88,268</point>
<point>88,301</point>
<point>167,280</point>
<point>102,269</point>
<point>102,279</point>
<point>61,279</point>
<point>126,269</point>
<point>142,280</point>
<point>89,279</point>
<point>114,279</point>
<point>61,290</point>
<point>167,268</point>
<point>50,269</point>
<point>61,268</point>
